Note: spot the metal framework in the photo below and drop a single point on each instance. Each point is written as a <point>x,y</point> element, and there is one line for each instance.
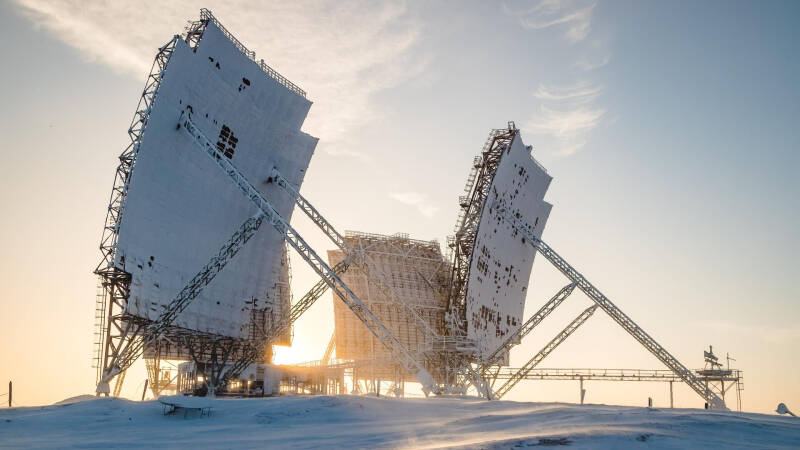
<point>212,356</point>
<point>122,338</point>
<point>149,334</point>
<point>714,401</point>
<point>733,378</point>
<point>462,243</point>
<point>715,376</point>
<point>260,344</point>
<point>413,271</point>
<point>663,375</point>
<point>546,350</point>
<point>160,379</point>
<point>455,351</point>
<point>118,330</point>
<point>529,325</point>
<point>365,263</point>
<point>399,352</point>
<point>448,373</point>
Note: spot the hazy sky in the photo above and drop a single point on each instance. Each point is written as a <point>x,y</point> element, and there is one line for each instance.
<point>670,128</point>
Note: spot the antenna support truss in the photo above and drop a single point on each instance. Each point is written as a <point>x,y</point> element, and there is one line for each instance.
<point>713,400</point>
<point>546,350</point>
<point>353,302</point>
<point>152,332</point>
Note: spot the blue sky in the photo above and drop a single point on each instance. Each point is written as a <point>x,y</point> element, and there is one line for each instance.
<point>670,129</point>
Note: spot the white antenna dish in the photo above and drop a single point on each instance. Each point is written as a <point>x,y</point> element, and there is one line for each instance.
<point>782,409</point>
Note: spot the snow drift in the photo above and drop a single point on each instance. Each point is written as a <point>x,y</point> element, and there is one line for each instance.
<point>357,421</point>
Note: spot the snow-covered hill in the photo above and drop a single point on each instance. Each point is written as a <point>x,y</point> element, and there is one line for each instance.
<point>368,422</point>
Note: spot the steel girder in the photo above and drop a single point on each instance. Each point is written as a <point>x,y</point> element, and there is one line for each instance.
<point>353,302</point>
<point>714,401</point>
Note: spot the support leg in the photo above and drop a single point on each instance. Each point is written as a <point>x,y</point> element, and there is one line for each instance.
<point>671,404</point>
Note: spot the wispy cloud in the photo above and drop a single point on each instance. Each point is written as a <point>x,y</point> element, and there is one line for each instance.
<point>567,113</point>
<point>341,52</point>
<point>566,124</point>
<point>580,93</point>
<point>573,16</point>
<point>587,63</point>
<point>417,200</point>
<point>593,53</point>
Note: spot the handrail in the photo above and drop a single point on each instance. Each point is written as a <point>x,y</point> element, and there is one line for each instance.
<point>205,14</point>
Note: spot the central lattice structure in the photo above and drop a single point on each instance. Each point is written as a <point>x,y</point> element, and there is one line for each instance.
<point>416,271</point>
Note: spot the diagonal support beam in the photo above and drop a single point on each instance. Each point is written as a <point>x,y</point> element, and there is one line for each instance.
<point>351,300</point>
<point>370,269</point>
<point>254,352</point>
<point>373,272</point>
<point>529,325</point>
<point>123,358</point>
<point>326,358</point>
<point>714,401</point>
<point>480,378</point>
<point>546,350</point>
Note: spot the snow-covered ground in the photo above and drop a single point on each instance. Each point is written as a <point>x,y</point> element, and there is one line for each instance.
<point>368,422</point>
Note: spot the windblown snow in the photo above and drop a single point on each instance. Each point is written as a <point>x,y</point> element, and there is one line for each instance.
<point>369,422</point>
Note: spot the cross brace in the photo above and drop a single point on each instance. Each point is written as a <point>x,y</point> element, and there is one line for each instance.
<point>123,359</point>
<point>714,401</point>
<point>529,325</point>
<point>370,269</point>
<point>255,350</point>
<point>546,350</point>
<point>351,300</point>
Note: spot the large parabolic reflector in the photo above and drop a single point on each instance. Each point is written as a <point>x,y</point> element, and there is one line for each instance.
<point>180,207</point>
<point>501,264</point>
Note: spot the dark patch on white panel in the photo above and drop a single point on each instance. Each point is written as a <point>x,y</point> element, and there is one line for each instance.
<point>245,83</point>
<point>226,145</point>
